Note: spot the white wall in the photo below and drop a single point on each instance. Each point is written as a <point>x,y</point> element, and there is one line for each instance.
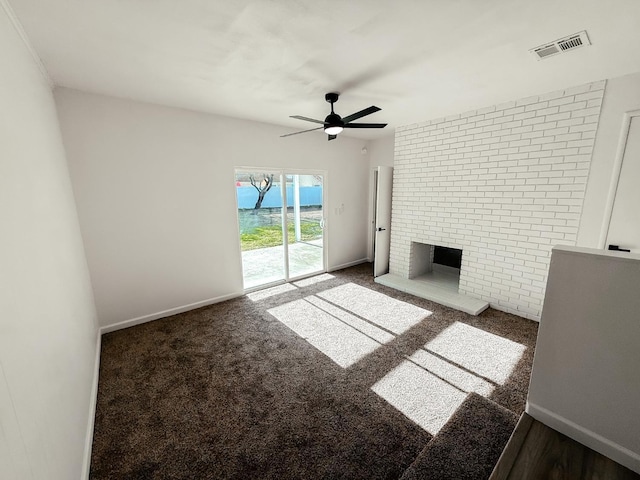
<point>585,380</point>
<point>504,184</point>
<point>621,95</point>
<point>381,151</point>
<point>156,198</point>
<point>47,319</point>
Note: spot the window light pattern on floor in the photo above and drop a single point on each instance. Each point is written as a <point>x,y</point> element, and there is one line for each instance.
<point>305,282</point>
<point>271,292</point>
<point>343,323</point>
<point>391,314</point>
<point>485,354</point>
<point>434,381</point>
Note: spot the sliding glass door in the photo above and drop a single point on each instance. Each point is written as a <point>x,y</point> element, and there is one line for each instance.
<point>305,224</point>
<point>277,243</point>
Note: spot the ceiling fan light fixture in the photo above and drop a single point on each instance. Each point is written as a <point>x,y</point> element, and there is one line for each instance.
<point>333,129</point>
<point>334,124</point>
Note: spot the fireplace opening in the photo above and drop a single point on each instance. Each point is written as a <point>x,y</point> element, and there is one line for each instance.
<point>434,273</point>
<point>435,264</point>
<point>449,257</point>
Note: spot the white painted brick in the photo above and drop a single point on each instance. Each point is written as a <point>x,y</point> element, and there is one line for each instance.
<point>506,106</point>
<point>523,129</point>
<point>590,95</point>
<point>547,111</point>
<point>569,137</point>
<point>527,101</point>
<point>596,102</point>
<point>577,90</point>
<point>494,115</point>
<point>585,112</point>
<point>486,110</point>
<point>571,122</point>
<point>563,100</point>
<point>558,116</point>
<point>533,121</point>
<point>514,110</point>
<point>570,107</point>
<point>524,115</point>
<point>536,107</point>
<point>551,96</point>
<point>504,183</point>
<point>544,126</point>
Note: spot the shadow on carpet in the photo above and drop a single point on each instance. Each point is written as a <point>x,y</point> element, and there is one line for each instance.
<point>468,446</point>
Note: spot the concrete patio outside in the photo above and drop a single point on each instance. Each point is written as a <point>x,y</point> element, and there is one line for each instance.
<point>266,265</point>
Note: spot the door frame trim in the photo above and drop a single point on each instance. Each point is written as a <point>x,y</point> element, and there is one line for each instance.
<point>373,180</point>
<point>615,176</point>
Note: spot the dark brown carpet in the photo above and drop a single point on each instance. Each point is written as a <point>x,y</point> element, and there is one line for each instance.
<point>468,446</point>
<point>228,391</point>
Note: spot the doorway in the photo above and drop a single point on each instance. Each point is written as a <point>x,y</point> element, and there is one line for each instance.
<point>381,234</point>
<point>621,230</point>
<point>281,225</point>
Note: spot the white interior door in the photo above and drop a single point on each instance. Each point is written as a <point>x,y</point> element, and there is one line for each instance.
<point>382,239</point>
<point>624,226</point>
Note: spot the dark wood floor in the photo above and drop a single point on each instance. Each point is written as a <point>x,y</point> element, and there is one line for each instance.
<point>536,451</point>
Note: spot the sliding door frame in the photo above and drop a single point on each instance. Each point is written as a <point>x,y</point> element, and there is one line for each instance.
<point>283,172</point>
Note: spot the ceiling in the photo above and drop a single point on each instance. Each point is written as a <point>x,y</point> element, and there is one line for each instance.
<point>264,60</point>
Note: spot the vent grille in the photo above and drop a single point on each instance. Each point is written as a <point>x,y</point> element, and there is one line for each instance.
<point>561,45</point>
<point>546,51</point>
<point>573,42</point>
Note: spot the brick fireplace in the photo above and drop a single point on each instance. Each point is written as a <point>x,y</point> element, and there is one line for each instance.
<point>504,184</point>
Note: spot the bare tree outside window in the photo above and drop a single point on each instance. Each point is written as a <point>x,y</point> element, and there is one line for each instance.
<point>262,187</point>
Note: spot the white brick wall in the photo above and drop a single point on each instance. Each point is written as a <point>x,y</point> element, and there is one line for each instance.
<point>504,184</point>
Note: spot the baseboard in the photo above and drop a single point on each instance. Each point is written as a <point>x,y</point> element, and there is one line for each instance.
<point>349,264</point>
<point>166,313</point>
<point>596,442</point>
<point>88,443</point>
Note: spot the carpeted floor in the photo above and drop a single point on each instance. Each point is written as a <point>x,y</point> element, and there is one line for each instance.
<point>468,446</point>
<point>248,389</point>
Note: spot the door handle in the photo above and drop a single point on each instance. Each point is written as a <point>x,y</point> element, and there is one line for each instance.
<point>616,248</point>
<point>381,229</point>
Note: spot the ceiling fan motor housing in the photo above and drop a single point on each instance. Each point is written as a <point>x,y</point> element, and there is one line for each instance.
<point>333,120</point>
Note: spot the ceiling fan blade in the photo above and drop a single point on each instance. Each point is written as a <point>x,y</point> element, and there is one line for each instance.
<point>303,131</point>
<point>331,137</point>
<point>365,125</point>
<point>361,113</point>
<point>307,119</point>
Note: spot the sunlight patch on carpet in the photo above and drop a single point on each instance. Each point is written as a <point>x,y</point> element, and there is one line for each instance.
<point>487,355</point>
<point>343,341</point>
<point>271,292</point>
<point>458,377</point>
<point>393,315</point>
<point>362,326</point>
<point>305,282</point>
<point>433,382</point>
<point>420,395</point>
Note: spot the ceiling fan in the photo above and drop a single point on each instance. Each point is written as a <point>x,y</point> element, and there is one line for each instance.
<point>334,123</point>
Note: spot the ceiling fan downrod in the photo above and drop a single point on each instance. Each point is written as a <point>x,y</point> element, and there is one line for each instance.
<point>333,122</point>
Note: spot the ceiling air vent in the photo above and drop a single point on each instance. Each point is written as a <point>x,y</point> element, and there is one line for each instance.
<point>561,45</point>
